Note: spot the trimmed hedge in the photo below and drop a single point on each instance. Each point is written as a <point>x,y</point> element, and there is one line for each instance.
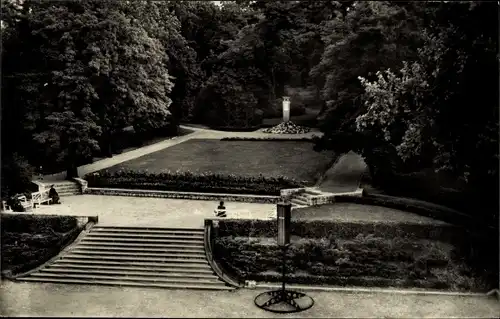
<point>235,128</point>
<point>189,182</point>
<point>325,228</point>
<point>362,260</point>
<point>302,139</point>
<point>34,223</point>
<point>29,241</point>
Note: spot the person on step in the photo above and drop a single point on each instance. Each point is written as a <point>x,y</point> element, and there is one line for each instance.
<point>221,210</point>
<point>53,195</point>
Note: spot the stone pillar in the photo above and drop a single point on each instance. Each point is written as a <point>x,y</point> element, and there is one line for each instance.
<point>286,108</point>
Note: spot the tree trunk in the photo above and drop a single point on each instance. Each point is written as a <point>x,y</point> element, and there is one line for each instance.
<point>71,171</point>
<point>106,144</point>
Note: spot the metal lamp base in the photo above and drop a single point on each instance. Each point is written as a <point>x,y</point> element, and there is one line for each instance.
<point>283,301</point>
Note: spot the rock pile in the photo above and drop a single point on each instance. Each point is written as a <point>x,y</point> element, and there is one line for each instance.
<point>287,128</point>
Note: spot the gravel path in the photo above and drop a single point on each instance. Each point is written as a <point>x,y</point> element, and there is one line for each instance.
<point>38,299</point>
<point>344,175</point>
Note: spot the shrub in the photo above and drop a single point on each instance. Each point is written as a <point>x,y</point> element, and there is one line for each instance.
<point>33,223</point>
<point>16,175</point>
<point>189,182</point>
<point>327,228</point>
<point>302,139</point>
<point>28,241</point>
<point>401,261</point>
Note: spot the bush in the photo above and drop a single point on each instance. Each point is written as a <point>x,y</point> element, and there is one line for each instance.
<point>16,175</point>
<point>29,241</point>
<point>327,228</point>
<point>33,223</point>
<point>399,260</point>
<point>189,182</point>
<point>303,139</point>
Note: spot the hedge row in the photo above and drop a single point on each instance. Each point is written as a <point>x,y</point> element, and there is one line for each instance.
<point>308,279</point>
<point>34,223</point>
<point>30,241</point>
<point>189,182</point>
<point>402,261</point>
<point>302,139</point>
<point>325,228</point>
<point>236,128</point>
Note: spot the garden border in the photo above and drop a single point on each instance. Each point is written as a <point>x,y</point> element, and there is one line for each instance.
<point>249,198</point>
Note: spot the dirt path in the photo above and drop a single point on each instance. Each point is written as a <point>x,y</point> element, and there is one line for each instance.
<point>344,175</point>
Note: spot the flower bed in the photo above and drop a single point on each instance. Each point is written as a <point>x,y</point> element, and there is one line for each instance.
<point>189,182</point>
<point>287,128</point>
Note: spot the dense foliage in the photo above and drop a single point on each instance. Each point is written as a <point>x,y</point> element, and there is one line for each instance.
<point>364,260</point>
<point>28,241</point>
<point>410,85</point>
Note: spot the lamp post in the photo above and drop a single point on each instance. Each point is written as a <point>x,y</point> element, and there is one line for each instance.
<point>286,108</point>
<point>283,300</point>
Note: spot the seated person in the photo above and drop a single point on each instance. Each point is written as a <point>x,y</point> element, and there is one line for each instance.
<point>54,195</point>
<point>221,210</point>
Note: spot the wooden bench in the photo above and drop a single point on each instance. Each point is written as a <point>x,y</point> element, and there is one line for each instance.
<point>38,198</point>
<point>24,202</point>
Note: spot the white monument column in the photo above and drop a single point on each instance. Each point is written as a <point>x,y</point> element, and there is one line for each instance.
<point>286,108</point>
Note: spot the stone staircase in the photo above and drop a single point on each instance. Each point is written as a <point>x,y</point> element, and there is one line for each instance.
<point>64,188</point>
<point>302,199</point>
<point>134,257</point>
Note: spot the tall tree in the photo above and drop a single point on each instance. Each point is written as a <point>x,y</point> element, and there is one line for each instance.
<point>424,109</point>
<point>90,69</point>
<point>369,37</point>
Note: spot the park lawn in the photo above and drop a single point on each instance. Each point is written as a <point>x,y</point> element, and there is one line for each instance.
<point>294,159</point>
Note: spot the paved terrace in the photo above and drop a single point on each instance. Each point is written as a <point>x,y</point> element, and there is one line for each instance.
<point>36,299</point>
<point>166,212</point>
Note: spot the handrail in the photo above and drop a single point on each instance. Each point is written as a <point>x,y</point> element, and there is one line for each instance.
<point>209,254</point>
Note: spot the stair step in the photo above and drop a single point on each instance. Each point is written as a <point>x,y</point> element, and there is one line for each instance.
<point>133,258</point>
<point>127,278</point>
<point>84,267</point>
<point>312,192</point>
<point>182,254</point>
<point>126,232</point>
<point>140,229</point>
<point>299,202</point>
<point>137,240</point>
<point>188,250</point>
<point>160,265</point>
<point>218,286</point>
<point>103,244</point>
<point>121,273</point>
<point>302,197</point>
<point>165,236</point>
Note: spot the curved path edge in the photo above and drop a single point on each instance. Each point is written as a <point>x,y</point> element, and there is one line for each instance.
<point>219,271</point>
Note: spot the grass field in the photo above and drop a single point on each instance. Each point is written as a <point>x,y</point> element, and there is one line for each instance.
<point>294,159</point>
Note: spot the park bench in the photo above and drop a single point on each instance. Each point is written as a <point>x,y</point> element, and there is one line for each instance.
<point>24,202</point>
<point>41,197</point>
